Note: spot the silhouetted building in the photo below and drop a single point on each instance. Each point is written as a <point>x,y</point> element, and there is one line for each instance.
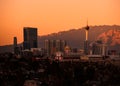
<point>15,41</point>
<point>86,47</point>
<point>86,42</point>
<point>16,48</point>
<point>47,47</point>
<point>52,46</point>
<point>58,45</point>
<point>98,48</point>
<point>30,38</point>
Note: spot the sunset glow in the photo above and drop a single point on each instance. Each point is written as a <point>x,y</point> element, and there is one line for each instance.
<point>51,16</point>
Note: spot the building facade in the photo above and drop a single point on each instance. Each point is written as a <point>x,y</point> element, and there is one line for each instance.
<point>53,46</point>
<point>99,48</point>
<point>86,47</point>
<point>30,38</point>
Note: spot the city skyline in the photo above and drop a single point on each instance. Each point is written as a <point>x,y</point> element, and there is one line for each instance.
<point>54,16</point>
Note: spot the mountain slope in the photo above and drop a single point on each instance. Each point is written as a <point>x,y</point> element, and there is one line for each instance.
<point>111,37</point>
<point>75,37</point>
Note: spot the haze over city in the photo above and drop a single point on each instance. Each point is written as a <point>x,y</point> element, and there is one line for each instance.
<point>51,16</point>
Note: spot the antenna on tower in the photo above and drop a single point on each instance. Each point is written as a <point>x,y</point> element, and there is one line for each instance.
<point>87,21</point>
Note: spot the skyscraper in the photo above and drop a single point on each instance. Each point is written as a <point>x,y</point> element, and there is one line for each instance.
<point>30,38</point>
<point>47,46</point>
<point>15,41</point>
<point>15,45</point>
<point>52,46</point>
<point>58,45</point>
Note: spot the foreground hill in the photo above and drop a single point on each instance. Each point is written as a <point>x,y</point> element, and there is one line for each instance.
<point>75,37</point>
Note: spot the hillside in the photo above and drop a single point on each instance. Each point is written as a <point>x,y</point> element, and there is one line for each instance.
<point>111,37</point>
<point>75,37</point>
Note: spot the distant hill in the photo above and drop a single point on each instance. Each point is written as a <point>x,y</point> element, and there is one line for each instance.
<point>75,37</point>
<point>111,37</point>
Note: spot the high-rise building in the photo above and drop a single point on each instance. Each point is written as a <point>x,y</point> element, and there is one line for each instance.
<point>58,45</point>
<point>15,41</point>
<point>16,48</point>
<point>30,38</point>
<point>86,47</point>
<point>52,46</point>
<point>15,45</point>
<point>47,46</point>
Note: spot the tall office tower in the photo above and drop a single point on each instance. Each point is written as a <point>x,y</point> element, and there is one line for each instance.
<point>16,48</point>
<point>47,46</point>
<point>15,44</point>
<point>53,46</point>
<point>30,38</point>
<point>15,41</point>
<point>58,45</point>
<point>86,42</point>
<point>86,47</point>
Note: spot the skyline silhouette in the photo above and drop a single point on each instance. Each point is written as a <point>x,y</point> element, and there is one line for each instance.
<point>75,37</point>
<point>54,16</point>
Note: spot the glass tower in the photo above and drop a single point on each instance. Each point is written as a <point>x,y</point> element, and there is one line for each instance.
<point>30,38</point>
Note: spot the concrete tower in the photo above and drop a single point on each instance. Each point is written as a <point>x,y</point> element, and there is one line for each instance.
<point>86,30</point>
<point>86,42</point>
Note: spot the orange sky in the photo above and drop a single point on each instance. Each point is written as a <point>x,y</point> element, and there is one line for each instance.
<point>51,16</point>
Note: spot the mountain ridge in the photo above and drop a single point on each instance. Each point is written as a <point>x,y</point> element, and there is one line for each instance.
<point>75,37</point>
